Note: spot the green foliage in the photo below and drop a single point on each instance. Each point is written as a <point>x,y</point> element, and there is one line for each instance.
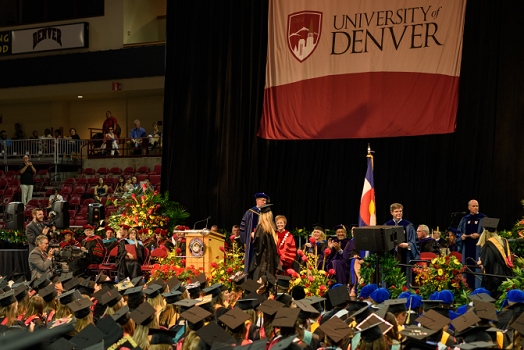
<point>516,282</point>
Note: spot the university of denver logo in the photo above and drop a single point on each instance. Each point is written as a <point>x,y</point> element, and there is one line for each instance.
<point>303,33</point>
<point>47,33</point>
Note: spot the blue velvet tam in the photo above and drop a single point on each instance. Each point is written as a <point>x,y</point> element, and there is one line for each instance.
<point>404,295</point>
<point>446,296</point>
<point>379,295</point>
<point>261,195</point>
<point>366,291</point>
<point>434,296</point>
<point>414,301</point>
<point>515,296</point>
<point>461,310</point>
<point>480,291</point>
<point>335,286</point>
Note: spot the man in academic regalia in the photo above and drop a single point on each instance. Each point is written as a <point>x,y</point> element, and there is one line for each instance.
<point>408,250</point>
<point>339,258</point>
<point>468,233</point>
<point>247,227</point>
<point>426,243</point>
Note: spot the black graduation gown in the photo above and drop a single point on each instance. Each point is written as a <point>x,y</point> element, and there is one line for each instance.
<point>494,263</point>
<point>126,267</point>
<point>265,260</point>
<point>429,245</point>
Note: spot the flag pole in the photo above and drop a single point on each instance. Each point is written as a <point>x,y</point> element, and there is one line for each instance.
<point>371,156</point>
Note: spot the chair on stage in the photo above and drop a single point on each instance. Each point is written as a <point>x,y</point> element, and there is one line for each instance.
<point>457,255</point>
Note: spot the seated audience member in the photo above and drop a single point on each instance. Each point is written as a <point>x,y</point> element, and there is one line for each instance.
<point>120,186</point>
<point>110,141</point>
<point>40,259</point>
<point>425,242</point>
<point>138,137</point>
<point>155,139</point>
<point>58,134</point>
<point>130,257</point>
<point>146,186</point>
<point>158,240</point>
<point>93,246</point>
<point>134,182</point>
<point>452,241</point>
<point>74,144</point>
<point>101,190</point>
<point>69,239</point>
<point>55,197</point>
<point>19,133</point>
<point>5,142</point>
<point>110,240</point>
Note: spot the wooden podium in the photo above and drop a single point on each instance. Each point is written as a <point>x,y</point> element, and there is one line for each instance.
<point>202,248</point>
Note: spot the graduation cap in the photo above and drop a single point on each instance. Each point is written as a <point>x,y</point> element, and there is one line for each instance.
<point>518,324</point>
<point>370,328</point>
<point>490,224</point>
<point>462,322</point>
<point>48,293</point>
<point>433,320</point>
<point>284,343</point>
<point>361,314</point>
<point>61,344</point>
<point>205,303</point>
<point>72,283</point>
<point>339,296</point>
<point>153,290</point>
<point>284,298</point>
<point>430,304</point>
<point>477,345</point>
<point>135,292</point>
<point>485,310</point>
<point>41,282</point>
<point>335,329</point>
<point>270,307</point>
<point>173,282</point>
<point>246,303</point>
<point>111,330</point>
<point>88,337</point>
<point>172,296</point>
<point>316,302</point>
<point>418,333</point>
<point>69,297</point>
<point>103,278</point>
<point>81,307</point>
<point>298,293</point>
<point>111,297</point>
<point>261,195</point>
<point>238,277</point>
<point>286,317</point>
<point>283,281</point>
<point>306,309</point>
<point>234,318</point>
<point>7,298</point>
<point>193,289</point>
<point>122,315</point>
<point>186,304</point>
<point>481,297</point>
<point>200,279</point>
<point>213,333</point>
<point>138,281</point>
<point>396,306</point>
<point>3,282</point>
<point>215,289</point>
<point>161,336</point>
<point>143,314</point>
<point>160,282</point>
<point>250,285</point>
<point>266,208</point>
<point>98,295</point>
<point>319,227</point>
<point>87,287</point>
<point>65,277</point>
<point>195,314</point>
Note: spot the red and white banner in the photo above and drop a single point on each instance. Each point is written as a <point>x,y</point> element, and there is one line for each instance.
<point>362,69</point>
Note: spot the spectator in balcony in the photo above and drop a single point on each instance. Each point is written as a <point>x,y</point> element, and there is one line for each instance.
<point>55,197</point>
<point>19,133</point>
<point>110,122</point>
<point>35,136</point>
<point>4,141</point>
<point>110,138</point>
<point>101,190</point>
<point>137,135</point>
<point>74,144</point>
<point>26,179</point>
<point>155,137</point>
<point>129,185</point>
<point>47,134</point>
<point>58,134</point>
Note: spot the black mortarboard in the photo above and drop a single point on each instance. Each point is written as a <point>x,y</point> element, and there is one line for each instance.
<point>206,303</point>
<point>81,307</point>
<point>65,277</point>
<point>71,284</point>
<point>370,329</point>
<point>159,282</point>
<point>266,208</point>
<point>481,297</point>
<point>490,224</point>
<point>193,289</point>
<point>7,298</point>
<point>135,292</point>
<point>195,314</point>
<point>48,293</point>
<point>173,282</point>
<point>319,227</point>
<point>200,279</point>
<point>143,314</point>
<point>270,307</point>
<point>335,329</point>
<point>286,317</point>
<point>101,278</point>
<point>41,282</point>
<point>238,277</point>
<point>283,281</point>
<point>88,337</point>
<point>234,318</point>
<point>284,298</point>
<point>338,296</point>
<point>122,315</point>
<point>172,297</point>
<point>396,306</point>
<point>61,344</point>
<point>485,310</point>
<point>186,304</point>
<point>361,313</point>
<point>518,324</point>
<point>153,290</point>
<point>477,345</point>
<point>430,304</point>
<point>161,336</point>
<point>298,292</point>
<point>111,297</point>
<point>69,297</point>
<point>20,291</point>
<point>111,330</point>
<point>98,295</point>
<point>433,320</point>
<point>418,333</point>
<point>462,322</point>
<point>306,309</point>
<point>138,281</point>
<point>316,302</point>
<point>87,287</point>
<point>213,333</point>
<point>215,289</point>
<point>246,304</point>
<point>250,285</point>
<point>284,343</point>
<point>260,298</point>
<point>3,282</point>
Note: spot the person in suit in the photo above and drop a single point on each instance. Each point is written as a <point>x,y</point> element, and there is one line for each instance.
<point>40,260</point>
<point>36,228</point>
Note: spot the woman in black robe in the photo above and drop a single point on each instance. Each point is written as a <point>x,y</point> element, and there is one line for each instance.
<point>494,254</point>
<point>265,257</point>
<point>129,260</point>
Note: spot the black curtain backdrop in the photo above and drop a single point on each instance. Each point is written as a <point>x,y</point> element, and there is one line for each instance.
<point>215,70</point>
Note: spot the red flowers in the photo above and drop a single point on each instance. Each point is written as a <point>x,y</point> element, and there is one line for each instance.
<point>178,250</point>
<point>310,278</point>
<point>327,251</point>
<point>232,238</point>
<point>300,252</point>
<point>290,272</point>
<point>214,265</point>
<point>404,288</point>
<point>229,270</point>
<point>221,248</point>
<point>312,240</point>
<point>322,288</point>
<point>304,258</point>
<point>331,271</point>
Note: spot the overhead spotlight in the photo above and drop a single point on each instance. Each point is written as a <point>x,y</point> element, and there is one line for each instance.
<point>80,96</point>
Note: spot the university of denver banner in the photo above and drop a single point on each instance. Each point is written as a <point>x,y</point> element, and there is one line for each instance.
<point>362,68</point>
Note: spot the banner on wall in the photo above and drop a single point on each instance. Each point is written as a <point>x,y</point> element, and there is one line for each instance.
<point>61,37</point>
<point>362,69</point>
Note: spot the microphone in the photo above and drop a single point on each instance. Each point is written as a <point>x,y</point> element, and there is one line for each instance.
<point>458,213</point>
<point>206,220</point>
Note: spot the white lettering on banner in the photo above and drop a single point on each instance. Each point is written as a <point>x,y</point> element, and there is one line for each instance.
<point>47,33</point>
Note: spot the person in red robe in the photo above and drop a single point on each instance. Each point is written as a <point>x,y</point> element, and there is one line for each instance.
<point>286,246</point>
<point>69,239</point>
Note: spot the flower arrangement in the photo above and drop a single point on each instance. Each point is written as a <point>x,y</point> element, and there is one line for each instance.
<point>165,271</point>
<point>516,282</point>
<point>315,281</point>
<point>147,209</point>
<point>392,275</point>
<point>444,272</point>
<point>228,264</point>
<point>13,236</point>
